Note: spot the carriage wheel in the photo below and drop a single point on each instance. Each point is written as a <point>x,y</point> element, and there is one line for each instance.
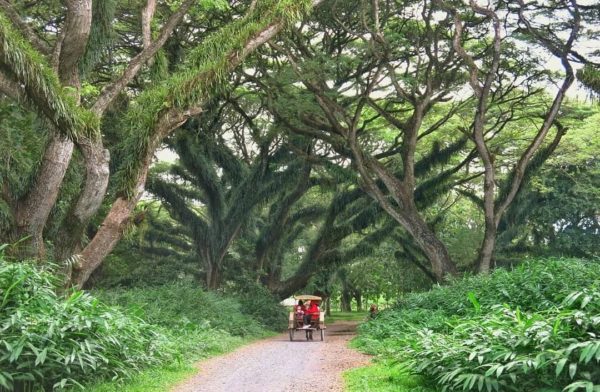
<point>291,334</point>
<point>322,335</point>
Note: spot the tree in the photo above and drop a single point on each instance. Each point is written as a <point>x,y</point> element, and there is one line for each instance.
<point>556,213</point>
<point>214,191</point>
<point>491,86</point>
<point>27,76</point>
<point>372,89</point>
<point>395,69</point>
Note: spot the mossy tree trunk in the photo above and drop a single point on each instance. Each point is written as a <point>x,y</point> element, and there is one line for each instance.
<point>257,27</point>
<point>35,207</point>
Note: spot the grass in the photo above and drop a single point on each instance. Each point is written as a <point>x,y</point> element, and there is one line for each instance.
<point>383,377</point>
<point>346,316</point>
<point>152,380</point>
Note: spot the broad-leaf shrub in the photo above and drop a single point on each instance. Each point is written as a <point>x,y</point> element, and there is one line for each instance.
<point>186,306</point>
<point>257,302</point>
<point>51,342</point>
<point>534,328</point>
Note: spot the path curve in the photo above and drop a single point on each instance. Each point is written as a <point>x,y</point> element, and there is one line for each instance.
<point>278,365</point>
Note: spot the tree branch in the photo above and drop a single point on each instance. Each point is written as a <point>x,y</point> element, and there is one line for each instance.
<point>147,15</point>
<point>24,28</point>
<point>110,92</point>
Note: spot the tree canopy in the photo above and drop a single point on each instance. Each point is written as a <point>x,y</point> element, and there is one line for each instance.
<point>312,139</point>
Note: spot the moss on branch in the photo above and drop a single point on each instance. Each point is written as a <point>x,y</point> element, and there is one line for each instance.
<point>202,75</point>
<point>20,62</point>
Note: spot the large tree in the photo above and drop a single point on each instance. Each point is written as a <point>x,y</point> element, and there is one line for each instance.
<point>374,99</point>
<point>497,84</point>
<point>215,187</point>
<point>371,69</point>
<point>43,71</point>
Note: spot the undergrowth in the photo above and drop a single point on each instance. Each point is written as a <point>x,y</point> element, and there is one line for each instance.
<point>51,341</point>
<point>535,328</point>
<point>383,376</point>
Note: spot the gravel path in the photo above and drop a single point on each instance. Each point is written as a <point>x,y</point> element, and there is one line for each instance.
<point>278,365</point>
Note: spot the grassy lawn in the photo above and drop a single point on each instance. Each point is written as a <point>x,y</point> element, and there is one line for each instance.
<point>346,316</point>
<point>151,380</point>
<point>382,377</point>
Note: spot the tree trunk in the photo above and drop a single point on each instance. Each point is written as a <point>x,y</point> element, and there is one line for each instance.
<point>96,157</point>
<point>404,211</point>
<point>425,238</point>
<point>433,248</point>
<point>346,301</point>
<point>212,269</point>
<point>215,279</point>
<point>35,208</point>
<point>89,200</point>
<point>487,246</point>
<point>32,212</point>
<point>358,298</point>
<point>108,235</point>
<point>273,275</point>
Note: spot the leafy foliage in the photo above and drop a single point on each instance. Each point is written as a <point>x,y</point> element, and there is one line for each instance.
<point>590,78</point>
<point>204,75</point>
<point>55,341</point>
<point>185,306</point>
<point>21,144</point>
<point>42,85</point>
<point>523,330</point>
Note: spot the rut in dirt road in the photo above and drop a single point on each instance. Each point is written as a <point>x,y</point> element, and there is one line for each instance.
<point>280,365</point>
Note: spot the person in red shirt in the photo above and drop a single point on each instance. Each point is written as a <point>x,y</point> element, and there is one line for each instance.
<point>311,312</point>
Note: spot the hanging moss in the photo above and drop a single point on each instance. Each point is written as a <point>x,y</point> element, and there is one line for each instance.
<point>589,76</point>
<point>101,34</point>
<point>203,75</point>
<point>43,90</point>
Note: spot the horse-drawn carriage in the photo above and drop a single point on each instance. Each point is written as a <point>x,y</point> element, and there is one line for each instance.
<point>315,324</point>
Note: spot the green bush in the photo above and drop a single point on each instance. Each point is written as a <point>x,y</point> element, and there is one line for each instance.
<point>186,307</point>
<point>510,350</point>
<point>531,329</point>
<point>257,302</point>
<point>52,342</point>
<point>532,285</point>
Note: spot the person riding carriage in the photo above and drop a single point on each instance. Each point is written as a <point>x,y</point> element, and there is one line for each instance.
<point>307,316</point>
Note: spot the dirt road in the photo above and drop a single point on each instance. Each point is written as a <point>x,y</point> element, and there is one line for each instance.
<point>278,365</point>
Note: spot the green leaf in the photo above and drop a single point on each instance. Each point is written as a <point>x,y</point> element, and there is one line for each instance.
<point>4,380</point>
<point>560,365</point>
<point>572,369</point>
<point>41,357</point>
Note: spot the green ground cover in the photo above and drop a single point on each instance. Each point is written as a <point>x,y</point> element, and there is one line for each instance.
<point>157,379</point>
<point>384,376</point>
<point>73,340</point>
<point>345,316</point>
<point>535,328</point>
